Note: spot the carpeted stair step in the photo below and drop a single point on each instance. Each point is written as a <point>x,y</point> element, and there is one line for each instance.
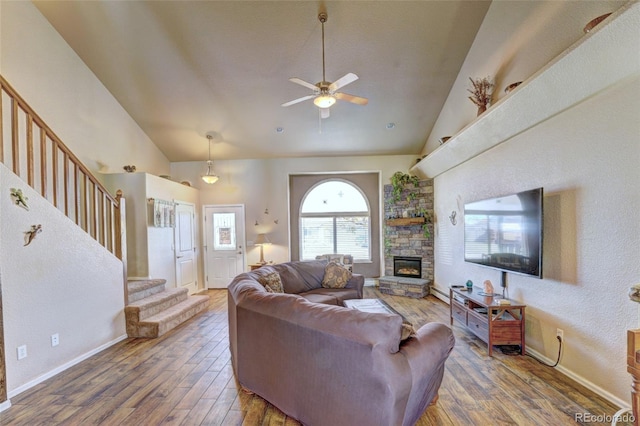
<point>160,323</point>
<point>139,289</point>
<point>154,304</point>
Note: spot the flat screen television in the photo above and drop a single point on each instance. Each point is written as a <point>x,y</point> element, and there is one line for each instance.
<point>505,233</point>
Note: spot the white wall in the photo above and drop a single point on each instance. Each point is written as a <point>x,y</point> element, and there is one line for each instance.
<point>515,40</point>
<point>48,74</point>
<point>263,184</point>
<point>162,261</point>
<point>150,250</point>
<point>586,158</point>
<point>63,282</point>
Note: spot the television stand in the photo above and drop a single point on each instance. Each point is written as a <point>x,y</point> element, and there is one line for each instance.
<point>493,323</point>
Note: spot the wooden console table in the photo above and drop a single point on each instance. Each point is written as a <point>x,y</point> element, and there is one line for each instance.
<point>493,323</point>
<point>255,266</point>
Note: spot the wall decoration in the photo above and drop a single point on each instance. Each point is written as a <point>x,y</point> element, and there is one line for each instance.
<point>512,86</point>
<point>482,89</point>
<point>19,198</point>
<point>163,213</point>
<point>129,168</point>
<point>224,236</point>
<point>591,24</point>
<point>266,213</point>
<point>30,235</point>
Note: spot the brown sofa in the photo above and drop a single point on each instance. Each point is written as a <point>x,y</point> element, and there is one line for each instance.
<point>328,365</point>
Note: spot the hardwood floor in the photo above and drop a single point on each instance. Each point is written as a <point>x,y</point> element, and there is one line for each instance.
<point>185,378</point>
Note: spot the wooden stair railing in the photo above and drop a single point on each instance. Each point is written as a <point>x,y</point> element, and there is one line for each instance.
<point>33,152</point>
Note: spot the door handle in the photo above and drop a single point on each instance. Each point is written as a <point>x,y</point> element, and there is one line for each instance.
<point>178,257</point>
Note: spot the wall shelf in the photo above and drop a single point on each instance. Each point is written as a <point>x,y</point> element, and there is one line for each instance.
<point>405,221</point>
<point>610,53</point>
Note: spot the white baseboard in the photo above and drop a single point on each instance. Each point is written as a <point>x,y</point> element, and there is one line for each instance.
<point>5,405</point>
<point>61,368</point>
<point>584,382</point>
<point>537,355</point>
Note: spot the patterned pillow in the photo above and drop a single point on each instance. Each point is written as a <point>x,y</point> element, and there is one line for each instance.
<point>272,282</point>
<point>335,276</point>
<point>407,330</point>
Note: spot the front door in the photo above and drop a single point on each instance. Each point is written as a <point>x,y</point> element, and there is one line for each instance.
<point>224,244</point>
<point>185,247</point>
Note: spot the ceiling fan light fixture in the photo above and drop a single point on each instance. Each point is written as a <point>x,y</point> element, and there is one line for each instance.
<point>324,101</point>
<point>325,93</point>
<point>210,177</point>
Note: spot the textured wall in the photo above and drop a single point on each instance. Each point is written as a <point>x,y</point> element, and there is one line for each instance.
<point>260,184</point>
<point>150,251</point>
<point>63,282</point>
<point>586,158</point>
<point>49,75</point>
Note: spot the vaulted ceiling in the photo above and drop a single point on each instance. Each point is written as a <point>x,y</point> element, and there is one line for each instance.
<point>185,68</point>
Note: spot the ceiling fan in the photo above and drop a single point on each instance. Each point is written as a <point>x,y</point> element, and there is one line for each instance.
<point>325,93</point>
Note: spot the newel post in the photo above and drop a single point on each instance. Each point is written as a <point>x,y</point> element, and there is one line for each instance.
<point>633,359</point>
<point>121,238</point>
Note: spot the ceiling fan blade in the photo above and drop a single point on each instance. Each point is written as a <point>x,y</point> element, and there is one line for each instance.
<point>350,98</point>
<point>303,83</point>
<point>324,112</point>
<point>342,81</point>
<point>295,101</point>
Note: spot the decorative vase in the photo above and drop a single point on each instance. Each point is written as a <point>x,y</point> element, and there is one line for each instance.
<point>512,86</point>
<point>481,109</point>
<point>591,24</point>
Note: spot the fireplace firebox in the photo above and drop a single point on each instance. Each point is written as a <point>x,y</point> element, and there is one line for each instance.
<point>407,266</point>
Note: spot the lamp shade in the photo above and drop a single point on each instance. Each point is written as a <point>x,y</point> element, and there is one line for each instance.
<point>324,101</point>
<point>210,179</point>
<point>262,239</point>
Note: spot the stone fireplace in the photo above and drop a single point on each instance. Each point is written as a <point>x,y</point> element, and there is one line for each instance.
<point>408,240</point>
<point>407,266</point>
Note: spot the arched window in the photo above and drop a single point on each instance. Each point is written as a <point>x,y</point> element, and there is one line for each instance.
<point>335,218</point>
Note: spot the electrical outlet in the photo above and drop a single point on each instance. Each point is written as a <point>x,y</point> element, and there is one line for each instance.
<point>55,340</point>
<point>560,334</point>
<point>22,352</point>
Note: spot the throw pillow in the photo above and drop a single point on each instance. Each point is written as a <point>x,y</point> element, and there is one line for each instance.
<point>335,276</point>
<point>272,282</point>
<point>407,330</point>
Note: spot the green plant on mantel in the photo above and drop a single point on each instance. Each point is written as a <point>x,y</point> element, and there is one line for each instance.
<point>399,181</point>
<point>387,246</point>
<point>427,220</point>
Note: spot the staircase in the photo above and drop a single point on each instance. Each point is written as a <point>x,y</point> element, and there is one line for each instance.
<point>152,310</point>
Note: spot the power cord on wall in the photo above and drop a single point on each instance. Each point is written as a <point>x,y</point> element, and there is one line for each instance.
<point>559,352</point>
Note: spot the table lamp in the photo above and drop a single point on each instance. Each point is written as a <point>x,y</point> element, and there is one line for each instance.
<point>262,240</point>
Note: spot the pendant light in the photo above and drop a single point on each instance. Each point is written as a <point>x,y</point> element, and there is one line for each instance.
<point>210,177</point>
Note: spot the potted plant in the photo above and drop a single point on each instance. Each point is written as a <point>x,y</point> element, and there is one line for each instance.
<point>399,180</point>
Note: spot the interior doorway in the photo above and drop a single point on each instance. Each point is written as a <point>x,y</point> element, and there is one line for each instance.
<point>224,240</point>
<point>185,247</point>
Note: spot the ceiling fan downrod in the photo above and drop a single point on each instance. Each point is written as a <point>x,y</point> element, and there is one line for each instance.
<point>322,17</point>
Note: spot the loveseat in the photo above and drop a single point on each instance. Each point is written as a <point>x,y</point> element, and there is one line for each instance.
<point>324,364</point>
